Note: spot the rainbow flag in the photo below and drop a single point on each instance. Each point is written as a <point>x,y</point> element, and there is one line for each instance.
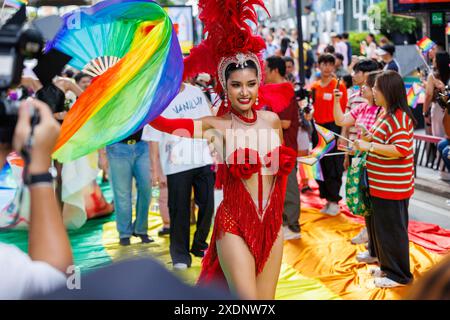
<point>447,29</point>
<point>15,3</point>
<point>425,44</point>
<point>414,93</point>
<point>310,172</point>
<point>325,144</point>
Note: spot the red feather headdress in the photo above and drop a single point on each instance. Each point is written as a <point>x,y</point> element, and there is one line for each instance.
<point>230,40</point>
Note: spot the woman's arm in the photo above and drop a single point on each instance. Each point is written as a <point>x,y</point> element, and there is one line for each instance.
<point>158,178</point>
<point>387,150</point>
<point>33,84</point>
<point>429,91</point>
<point>188,128</point>
<point>68,85</point>
<point>341,119</point>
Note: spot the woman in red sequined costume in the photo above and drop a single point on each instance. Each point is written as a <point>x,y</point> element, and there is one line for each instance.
<point>246,246</point>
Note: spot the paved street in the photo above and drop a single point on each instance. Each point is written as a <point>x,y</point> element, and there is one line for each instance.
<point>430,208</point>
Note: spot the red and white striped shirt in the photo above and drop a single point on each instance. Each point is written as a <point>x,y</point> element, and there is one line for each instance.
<point>392,178</point>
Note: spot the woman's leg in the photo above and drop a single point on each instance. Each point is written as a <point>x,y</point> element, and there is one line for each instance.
<point>266,281</point>
<point>238,265</point>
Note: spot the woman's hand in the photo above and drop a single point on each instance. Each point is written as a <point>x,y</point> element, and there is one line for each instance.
<point>337,95</point>
<point>361,145</point>
<point>366,136</point>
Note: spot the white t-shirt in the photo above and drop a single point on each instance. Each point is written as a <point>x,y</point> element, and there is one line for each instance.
<point>341,47</point>
<point>179,154</point>
<point>21,277</point>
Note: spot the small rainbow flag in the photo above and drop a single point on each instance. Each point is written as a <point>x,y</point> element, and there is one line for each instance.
<point>15,3</point>
<point>414,93</point>
<point>325,144</point>
<point>310,172</point>
<point>425,44</point>
<point>447,29</point>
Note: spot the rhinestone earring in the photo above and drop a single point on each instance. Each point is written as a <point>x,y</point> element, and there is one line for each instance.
<point>257,101</point>
<point>226,101</point>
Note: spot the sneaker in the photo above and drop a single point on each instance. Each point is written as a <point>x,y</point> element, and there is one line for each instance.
<point>377,273</point>
<point>124,241</point>
<point>385,282</point>
<point>144,238</point>
<point>366,257</point>
<point>163,231</point>
<point>333,209</point>
<point>288,234</point>
<point>325,208</point>
<point>361,238</point>
<point>180,266</point>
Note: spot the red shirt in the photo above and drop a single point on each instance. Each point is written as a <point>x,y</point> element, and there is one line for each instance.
<point>392,178</point>
<point>323,100</point>
<point>290,134</point>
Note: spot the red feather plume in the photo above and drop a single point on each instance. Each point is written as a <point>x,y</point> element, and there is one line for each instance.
<point>227,30</point>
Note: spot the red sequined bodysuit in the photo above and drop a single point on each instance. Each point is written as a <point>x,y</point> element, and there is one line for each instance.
<point>256,222</point>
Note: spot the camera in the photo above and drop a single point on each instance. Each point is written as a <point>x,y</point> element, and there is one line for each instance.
<point>300,92</point>
<point>20,41</point>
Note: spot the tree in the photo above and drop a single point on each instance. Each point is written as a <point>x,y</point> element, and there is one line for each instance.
<point>390,24</point>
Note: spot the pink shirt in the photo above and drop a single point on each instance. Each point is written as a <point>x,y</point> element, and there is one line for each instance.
<point>365,115</point>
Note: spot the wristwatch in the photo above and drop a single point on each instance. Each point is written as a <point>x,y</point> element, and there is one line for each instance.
<point>42,178</point>
<point>372,147</point>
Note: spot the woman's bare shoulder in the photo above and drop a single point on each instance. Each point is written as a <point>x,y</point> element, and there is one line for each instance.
<point>269,116</point>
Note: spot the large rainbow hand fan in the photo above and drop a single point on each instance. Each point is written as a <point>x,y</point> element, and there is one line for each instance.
<point>132,48</point>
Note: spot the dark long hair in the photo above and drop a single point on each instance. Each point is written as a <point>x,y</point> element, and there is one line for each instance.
<point>442,66</point>
<point>285,44</point>
<point>391,85</point>
<point>373,38</point>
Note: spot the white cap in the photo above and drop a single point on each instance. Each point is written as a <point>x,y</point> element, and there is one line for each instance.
<point>204,77</point>
<point>380,52</point>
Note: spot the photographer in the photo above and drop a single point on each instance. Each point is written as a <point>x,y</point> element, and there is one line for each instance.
<point>49,251</point>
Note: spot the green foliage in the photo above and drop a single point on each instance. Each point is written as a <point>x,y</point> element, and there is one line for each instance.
<point>355,39</point>
<point>391,24</point>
